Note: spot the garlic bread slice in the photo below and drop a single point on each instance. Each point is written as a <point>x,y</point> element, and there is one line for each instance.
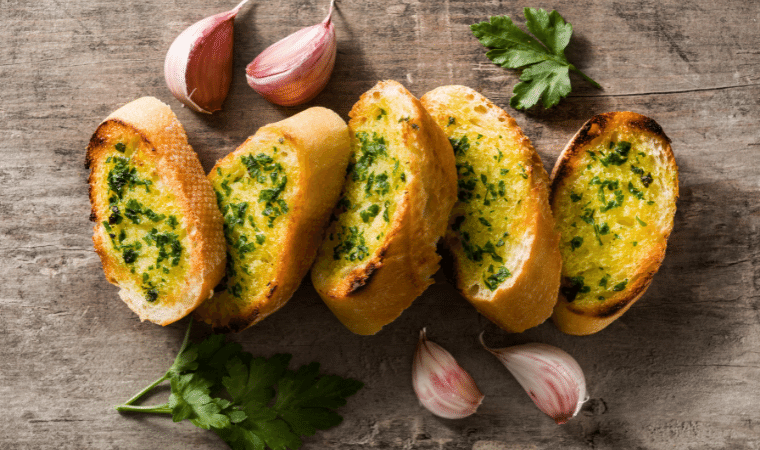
<point>614,192</point>
<point>276,192</point>
<point>158,231</point>
<point>501,233</point>
<point>380,250</point>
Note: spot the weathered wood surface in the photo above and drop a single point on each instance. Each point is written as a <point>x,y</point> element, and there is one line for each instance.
<point>680,370</point>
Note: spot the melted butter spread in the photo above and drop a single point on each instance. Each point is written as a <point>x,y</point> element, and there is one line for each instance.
<point>375,175</point>
<point>143,222</point>
<point>254,192</point>
<point>489,217</point>
<point>609,218</point>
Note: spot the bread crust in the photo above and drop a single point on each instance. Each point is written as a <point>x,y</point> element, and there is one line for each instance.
<point>569,317</point>
<point>321,142</point>
<point>179,169</point>
<point>528,299</point>
<point>377,291</point>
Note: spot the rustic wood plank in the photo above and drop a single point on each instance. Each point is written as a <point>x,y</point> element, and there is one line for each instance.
<point>680,370</point>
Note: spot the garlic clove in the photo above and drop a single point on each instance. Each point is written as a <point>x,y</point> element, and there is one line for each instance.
<point>296,68</point>
<point>551,377</point>
<point>441,385</point>
<point>198,65</point>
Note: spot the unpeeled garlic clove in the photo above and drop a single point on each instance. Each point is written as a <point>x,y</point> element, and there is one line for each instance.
<point>551,377</point>
<point>198,65</point>
<point>296,68</point>
<point>441,385</point>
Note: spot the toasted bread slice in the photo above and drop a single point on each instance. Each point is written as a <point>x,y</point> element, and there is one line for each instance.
<point>380,251</point>
<point>276,192</point>
<point>158,231</point>
<point>614,192</point>
<point>501,234</point>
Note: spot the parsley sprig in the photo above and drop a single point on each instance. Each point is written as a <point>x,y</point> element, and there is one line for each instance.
<point>251,403</point>
<point>546,69</point>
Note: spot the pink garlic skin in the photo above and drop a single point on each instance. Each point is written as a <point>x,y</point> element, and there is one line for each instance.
<point>198,65</point>
<point>551,377</point>
<point>295,69</point>
<point>441,384</point>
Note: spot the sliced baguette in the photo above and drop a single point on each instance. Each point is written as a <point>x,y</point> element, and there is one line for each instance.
<point>276,193</point>
<point>501,233</point>
<point>614,205</point>
<point>158,231</point>
<point>380,251</point>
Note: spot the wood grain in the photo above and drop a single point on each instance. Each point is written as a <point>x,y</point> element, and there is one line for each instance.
<point>680,370</point>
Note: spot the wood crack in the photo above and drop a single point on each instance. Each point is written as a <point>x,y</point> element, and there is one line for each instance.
<point>57,420</point>
<point>681,91</point>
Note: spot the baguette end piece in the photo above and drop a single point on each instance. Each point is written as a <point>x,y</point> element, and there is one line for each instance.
<point>632,231</point>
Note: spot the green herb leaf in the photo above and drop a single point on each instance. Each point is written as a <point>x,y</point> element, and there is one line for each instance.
<point>545,74</point>
<point>493,281</point>
<point>190,399</point>
<point>251,403</point>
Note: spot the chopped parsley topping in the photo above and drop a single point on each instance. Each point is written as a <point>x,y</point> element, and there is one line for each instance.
<point>344,204</point>
<point>576,242</point>
<point>485,222</point>
<point>460,145</point>
<point>635,192</point>
<point>620,286</point>
<point>522,171</point>
<point>162,241</point>
<point>151,295</point>
<point>370,213</point>
<point>618,201</point>
<point>451,122</point>
<point>494,280</point>
<point>573,287</point>
<point>130,255</point>
<point>475,252</point>
<point>124,176</point>
<point>351,246</point>
<point>371,149</point>
<point>618,154</point>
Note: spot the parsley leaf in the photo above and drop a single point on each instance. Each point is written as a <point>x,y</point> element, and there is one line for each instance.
<point>545,74</point>
<point>191,399</point>
<point>251,403</point>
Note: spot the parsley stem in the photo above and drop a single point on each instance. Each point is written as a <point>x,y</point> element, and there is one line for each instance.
<point>184,343</point>
<point>147,389</point>
<point>585,77</point>
<point>165,377</point>
<point>150,409</point>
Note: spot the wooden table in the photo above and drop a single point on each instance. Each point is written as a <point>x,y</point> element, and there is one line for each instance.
<point>680,370</point>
